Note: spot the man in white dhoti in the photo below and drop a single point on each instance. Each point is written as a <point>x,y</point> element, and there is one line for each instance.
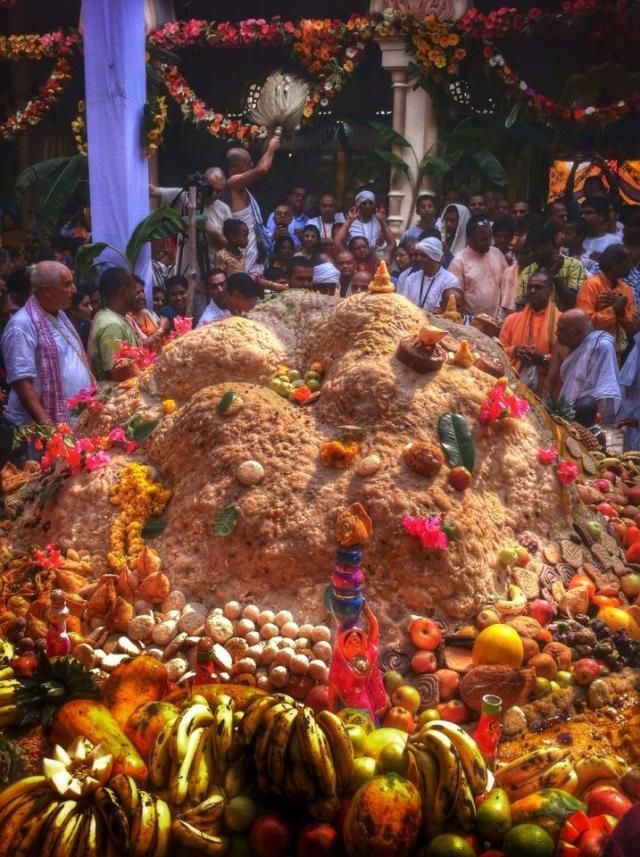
<point>629,415</point>
<point>430,286</point>
<point>590,368</point>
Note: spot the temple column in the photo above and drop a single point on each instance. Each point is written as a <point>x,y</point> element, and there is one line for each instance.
<point>414,118</point>
<point>115,81</point>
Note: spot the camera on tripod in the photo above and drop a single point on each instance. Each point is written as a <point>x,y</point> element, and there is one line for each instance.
<point>203,188</point>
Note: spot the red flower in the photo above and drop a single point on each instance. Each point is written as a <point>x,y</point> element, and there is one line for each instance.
<point>548,455</point>
<point>567,472</point>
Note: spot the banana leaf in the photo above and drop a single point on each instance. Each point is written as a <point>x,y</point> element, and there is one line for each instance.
<point>225,522</point>
<point>162,223</point>
<point>490,166</point>
<point>86,257</point>
<point>55,181</point>
<point>393,137</point>
<point>456,440</point>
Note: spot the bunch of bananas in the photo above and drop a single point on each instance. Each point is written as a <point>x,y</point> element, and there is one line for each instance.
<point>191,749</point>
<point>451,772</point>
<point>199,828</point>
<point>298,754</point>
<point>9,712</point>
<point>554,768</point>
<point>115,820</point>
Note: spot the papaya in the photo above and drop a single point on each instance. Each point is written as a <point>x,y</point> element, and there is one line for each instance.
<point>241,694</point>
<point>384,818</point>
<point>146,721</point>
<point>548,808</point>
<point>94,721</point>
<point>144,679</point>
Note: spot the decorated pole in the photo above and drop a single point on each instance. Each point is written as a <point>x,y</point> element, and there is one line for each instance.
<point>115,81</point>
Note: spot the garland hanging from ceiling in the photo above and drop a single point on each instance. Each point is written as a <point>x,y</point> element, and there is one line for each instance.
<point>329,50</point>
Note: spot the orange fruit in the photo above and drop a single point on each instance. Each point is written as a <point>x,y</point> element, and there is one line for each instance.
<point>498,644</point>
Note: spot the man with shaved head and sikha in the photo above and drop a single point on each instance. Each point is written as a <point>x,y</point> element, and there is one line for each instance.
<point>589,366</point>
<point>44,356</point>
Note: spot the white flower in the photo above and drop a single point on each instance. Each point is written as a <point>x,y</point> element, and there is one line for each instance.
<point>523,86</point>
<point>589,111</point>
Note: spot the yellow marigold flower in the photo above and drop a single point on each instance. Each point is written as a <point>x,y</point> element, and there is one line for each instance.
<point>169,406</point>
<point>335,453</point>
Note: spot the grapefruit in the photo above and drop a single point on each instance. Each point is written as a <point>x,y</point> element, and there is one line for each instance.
<point>498,644</point>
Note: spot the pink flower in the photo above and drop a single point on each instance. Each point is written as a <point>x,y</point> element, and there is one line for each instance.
<point>518,407</point>
<point>428,530</point>
<point>548,455</point>
<point>182,324</point>
<point>85,444</point>
<point>96,461</point>
<point>567,472</point>
<point>117,435</point>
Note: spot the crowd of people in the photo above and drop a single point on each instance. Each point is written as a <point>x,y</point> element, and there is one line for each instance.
<point>559,287</point>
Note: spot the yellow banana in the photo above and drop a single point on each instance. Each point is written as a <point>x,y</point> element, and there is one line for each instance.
<point>114,816</point>
<point>261,742</point>
<point>31,805</point>
<point>143,826</point>
<point>514,605</point>
<point>8,690</point>
<point>66,842</point>
<point>32,830</point>
<point>65,811</point>
<point>465,809</point>
<point>163,828</point>
<point>256,711</point>
<point>341,747</point>
<point>14,805</point>
<point>448,773</point>
<point>127,791</point>
<point>160,758</point>
<point>208,811</point>
<point>190,719</point>
<point>91,834</point>
<point>221,732</point>
<point>471,759</point>
<point>6,673</point>
<point>528,766</point>
<point>204,843</point>
<point>202,769</point>
<point>20,787</point>
<point>594,767</point>
<point>179,784</point>
<point>10,714</point>
<point>428,772</point>
<point>302,783</point>
<point>277,750</point>
<point>327,780</point>
<point>561,775</point>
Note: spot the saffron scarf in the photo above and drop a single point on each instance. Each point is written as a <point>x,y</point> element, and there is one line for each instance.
<point>48,361</point>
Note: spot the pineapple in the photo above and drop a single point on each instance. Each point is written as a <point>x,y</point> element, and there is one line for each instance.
<point>560,407</point>
<point>51,685</point>
<point>11,762</point>
<point>586,438</point>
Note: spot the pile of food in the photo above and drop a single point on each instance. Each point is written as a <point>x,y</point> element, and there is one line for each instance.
<point>166,679</point>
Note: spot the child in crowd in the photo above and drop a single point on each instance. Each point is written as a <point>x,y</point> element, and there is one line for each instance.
<point>231,259</point>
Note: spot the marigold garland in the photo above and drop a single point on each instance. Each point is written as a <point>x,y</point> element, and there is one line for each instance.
<point>139,498</point>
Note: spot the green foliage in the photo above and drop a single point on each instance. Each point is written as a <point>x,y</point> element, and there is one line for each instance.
<point>12,762</point>
<point>225,522</point>
<point>139,429</point>
<point>54,182</point>
<point>154,527</point>
<point>51,685</point>
<point>456,440</point>
<point>225,402</point>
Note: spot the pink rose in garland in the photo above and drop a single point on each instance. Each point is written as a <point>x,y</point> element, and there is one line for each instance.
<point>548,455</point>
<point>428,530</point>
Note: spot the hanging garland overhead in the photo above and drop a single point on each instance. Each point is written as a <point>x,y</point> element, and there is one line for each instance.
<point>504,22</point>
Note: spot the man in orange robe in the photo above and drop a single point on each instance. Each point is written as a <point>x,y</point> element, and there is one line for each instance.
<point>607,299</point>
<point>528,336</point>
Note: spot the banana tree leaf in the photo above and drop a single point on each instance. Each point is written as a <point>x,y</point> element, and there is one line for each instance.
<point>162,223</point>
<point>456,440</point>
<point>86,259</point>
<point>55,182</point>
<point>490,166</point>
<point>37,173</point>
<point>154,527</point>
<point>392,158</point>
<point>391,136</point>
<point>434,166</point>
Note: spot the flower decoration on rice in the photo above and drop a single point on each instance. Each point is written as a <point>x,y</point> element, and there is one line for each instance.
<point>567,472</point>
<point>548,455</point>
<point>428,530</point>
<point>336,453</point>
<point>502,404</point>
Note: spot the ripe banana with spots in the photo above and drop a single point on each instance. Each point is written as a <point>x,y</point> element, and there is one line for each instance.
<point>192,717</point>
<point>143,826</point>
<point>340,745</point>
<point>528,766</point>
<point>561,775</point>
<point>428,773</point>
<point>594,767</point>
<point>468,752</point>
<point>448,773</point>
<point>189,835</point>
<point>221,732</point>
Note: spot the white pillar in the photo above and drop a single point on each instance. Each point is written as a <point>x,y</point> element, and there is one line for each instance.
<point>414,118</point>
<point>115,81</point>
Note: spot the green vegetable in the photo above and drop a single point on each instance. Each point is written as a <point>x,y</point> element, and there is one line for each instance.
<point>225,402</point>
<point>226,521</point>
<point>153,528</point>
<point>456,441</point>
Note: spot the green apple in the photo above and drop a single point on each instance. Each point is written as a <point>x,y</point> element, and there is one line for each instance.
<point>358,738</point>
<point>630,584</point>
<point>594,528</point>
<point>393,759</point>
<point>427,716</point>
<point>298,383</point>
<point>508,556</point>
<point>392,679</point>
<point>312,376</point>
<point>377,739</point>
<point>313,385</point>
<point>364,768</point>
<point>239,813</point>
<point>293,374</point>
<point>277,385</point>
<point>564,678</point>
<point>541,687</point>
<point>554,686</point>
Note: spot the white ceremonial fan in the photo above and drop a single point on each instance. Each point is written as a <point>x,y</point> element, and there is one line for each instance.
<point>280,103</point>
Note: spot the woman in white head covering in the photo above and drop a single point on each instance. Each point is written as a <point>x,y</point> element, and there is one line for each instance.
<point>430,287</point>
<point>453,226</point>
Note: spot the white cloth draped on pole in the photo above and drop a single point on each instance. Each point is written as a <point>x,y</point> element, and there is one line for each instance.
<point>115,82</point>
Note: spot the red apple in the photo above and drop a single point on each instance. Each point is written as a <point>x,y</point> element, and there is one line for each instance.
<point>459,478</point>
<point>602,485</point>
<point>424,662</point>
<point>607,800</point>
<point>271,836</point>
<point>592,843</point>
<point>425,633</point>
<point>318,840</point>
<point>317,698</point>
<point>586,670</point>
<point>607,510</point>
<point>541,610</point>
<point>523,556</point>
<point>455,711</point>
<point>449,680</point>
